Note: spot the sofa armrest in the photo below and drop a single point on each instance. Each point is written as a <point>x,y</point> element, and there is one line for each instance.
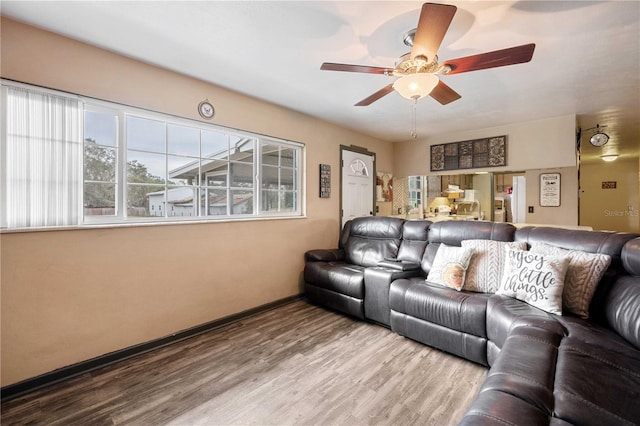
<point>324,255</point>
<point>399,265</point>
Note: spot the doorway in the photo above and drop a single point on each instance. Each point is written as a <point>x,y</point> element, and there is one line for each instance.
<point>357,183</point>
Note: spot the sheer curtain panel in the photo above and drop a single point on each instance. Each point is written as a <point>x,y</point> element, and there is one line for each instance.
<point>42,159</point>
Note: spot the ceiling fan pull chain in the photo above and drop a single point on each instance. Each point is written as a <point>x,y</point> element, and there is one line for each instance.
<point>414,133</point>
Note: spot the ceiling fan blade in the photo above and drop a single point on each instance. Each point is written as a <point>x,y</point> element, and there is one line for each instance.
<point>432,27</point>
<point>380,93</point>
<point>497,58</point>
<point>444,94</point>
<point>329,66</point>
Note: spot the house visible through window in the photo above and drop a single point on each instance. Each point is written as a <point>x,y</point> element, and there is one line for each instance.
<point>138,166</point>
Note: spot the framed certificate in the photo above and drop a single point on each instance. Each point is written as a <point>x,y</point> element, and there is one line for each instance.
<point>550,190</point>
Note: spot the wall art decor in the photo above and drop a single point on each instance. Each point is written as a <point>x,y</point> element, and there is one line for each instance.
<point>384,186</point>
<point>325,181</point>
<point>550,190</point>
<point>487,152</point>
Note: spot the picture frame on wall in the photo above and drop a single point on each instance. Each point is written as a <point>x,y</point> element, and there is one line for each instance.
<point>550,190</point>
<point>325,181</point>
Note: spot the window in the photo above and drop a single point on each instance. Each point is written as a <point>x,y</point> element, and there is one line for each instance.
<point>136,166</point>
<point>41,159</point>
<point>415,191</point>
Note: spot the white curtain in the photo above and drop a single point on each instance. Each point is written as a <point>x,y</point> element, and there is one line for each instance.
<point>42,159</point>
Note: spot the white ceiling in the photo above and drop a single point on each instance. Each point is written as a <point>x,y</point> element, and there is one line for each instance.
<point>586,62</point>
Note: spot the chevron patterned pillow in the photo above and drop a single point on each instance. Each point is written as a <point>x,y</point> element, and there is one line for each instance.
<point>486,267</point>
<point>583,275</point>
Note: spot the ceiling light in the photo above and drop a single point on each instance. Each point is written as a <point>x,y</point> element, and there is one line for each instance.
<point>416,86</point>
<point>609,158</point>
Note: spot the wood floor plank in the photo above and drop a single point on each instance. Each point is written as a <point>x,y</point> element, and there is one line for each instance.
<point>297,364</point>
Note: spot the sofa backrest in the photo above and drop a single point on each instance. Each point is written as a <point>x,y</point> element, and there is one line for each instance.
<point>622,302</point>
<point>602,242</point>
<point>372,239</point>
<point>415,236</point>
<point>631,257</point>
<point>453,232</point>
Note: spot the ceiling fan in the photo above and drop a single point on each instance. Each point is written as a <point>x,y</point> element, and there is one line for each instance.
<point>419,69</point>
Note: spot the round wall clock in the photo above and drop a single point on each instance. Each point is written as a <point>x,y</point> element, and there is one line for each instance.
<point>206,110</point>
<point>599,139</point>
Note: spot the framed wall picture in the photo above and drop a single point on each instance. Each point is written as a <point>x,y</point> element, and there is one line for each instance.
<point>550,190</point>
<point>325,181</point>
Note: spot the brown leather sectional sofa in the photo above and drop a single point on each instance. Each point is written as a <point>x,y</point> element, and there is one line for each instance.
<point>544,368</point>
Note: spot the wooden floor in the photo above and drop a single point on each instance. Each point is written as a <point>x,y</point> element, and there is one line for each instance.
<point>295,365</point>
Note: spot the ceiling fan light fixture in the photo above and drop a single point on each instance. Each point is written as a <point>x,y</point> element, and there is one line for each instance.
<point>416,86</point>
<point>609,158</point>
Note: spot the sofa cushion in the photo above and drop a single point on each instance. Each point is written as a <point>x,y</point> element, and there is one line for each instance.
<point>457,310</point>
<point>535,279</point>
<point>526,367</point>
<point>505,314</point>
<point>487,264</point>
<point>450,266</point>
<point>372,239</point>
<point>414,240</point>
<point>596,386</point>
<point>339,277</point>
<point>583,275</point>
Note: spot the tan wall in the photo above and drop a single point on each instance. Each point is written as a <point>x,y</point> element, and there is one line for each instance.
<point>529,146</point>
<point>608,209</point>
<point>567,212</point>
<point>68,296</point>
<point>541,146</point>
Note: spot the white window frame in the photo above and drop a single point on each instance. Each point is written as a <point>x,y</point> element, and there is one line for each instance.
<point>120,218</point>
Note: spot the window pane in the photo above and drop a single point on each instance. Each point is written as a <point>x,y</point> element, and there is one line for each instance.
<point>145,134</point>
<point>241,175</point>
<point>183,170</point>
<point>218,178</point>
<point>242,202</point>
<point>100,128</point>
<point>288,157</point>
<point>214,203</point>
<point>140,197</point>
<point>287,179</point>
<point>99,199</point>
<point>99,162</point>
<point>183,140</point>
<point>215,145</point>
<point>278,201</point>
<point>242,149</point>
<point>271,154</point>
<point>180,202</point>
<point>270,178</point>
<point>143,167</point>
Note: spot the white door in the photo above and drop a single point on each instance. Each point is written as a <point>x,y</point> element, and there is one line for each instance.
<point>357,185</point>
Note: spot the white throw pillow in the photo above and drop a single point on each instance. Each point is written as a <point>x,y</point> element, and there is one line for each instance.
<point>535,279</point>
<point>487,264</point>
<point>450,266</point>
<point>583,275</point>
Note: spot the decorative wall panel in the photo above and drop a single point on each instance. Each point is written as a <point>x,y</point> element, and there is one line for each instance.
<point>487,152</point>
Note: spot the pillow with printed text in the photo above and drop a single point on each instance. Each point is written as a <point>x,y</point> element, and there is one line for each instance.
<point>535,279</point>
